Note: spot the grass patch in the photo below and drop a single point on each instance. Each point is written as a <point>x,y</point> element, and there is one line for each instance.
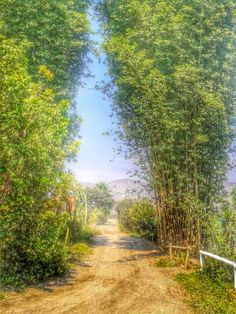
<point>2,296</point>
<point>78,251</point>
<point>88,232</point>
<point>136,235</point>
<point>10,282</point>
<point>165,261</point>
<point>208,296</point>
<point>80,233</point>
<point>176,261</point>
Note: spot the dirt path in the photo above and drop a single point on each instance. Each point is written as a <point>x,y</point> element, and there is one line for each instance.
<point>119,278</point>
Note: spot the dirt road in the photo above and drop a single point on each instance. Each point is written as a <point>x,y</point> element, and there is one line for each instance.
<point>118,278</point>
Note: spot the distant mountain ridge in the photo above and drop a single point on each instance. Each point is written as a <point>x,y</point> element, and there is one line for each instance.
<point>128,188</point>
<point>125,188</point>
<point>229,186</point>
<point>132,189</point>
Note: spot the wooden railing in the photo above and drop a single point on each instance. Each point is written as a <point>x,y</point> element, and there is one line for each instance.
<point>187,249</point>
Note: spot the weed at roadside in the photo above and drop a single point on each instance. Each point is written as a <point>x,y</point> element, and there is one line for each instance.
<point>208,296</point>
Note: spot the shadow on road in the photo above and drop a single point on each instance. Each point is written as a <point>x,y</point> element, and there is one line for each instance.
<point>125,243</point>
<point>52,283</point>
<point>137,257</point>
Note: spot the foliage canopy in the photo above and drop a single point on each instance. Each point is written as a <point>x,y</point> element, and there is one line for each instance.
<point>173,63</point>
<point>42,52</point>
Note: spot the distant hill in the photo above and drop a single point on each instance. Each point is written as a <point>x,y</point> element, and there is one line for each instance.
<point>125,188</point>
<point>229,186</point>
<point>129,188</point>
<point>132,189</point>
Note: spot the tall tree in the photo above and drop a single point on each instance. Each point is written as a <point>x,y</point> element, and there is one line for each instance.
<point>57,32</point>
<point>42,51</point>
<point>173,63</point>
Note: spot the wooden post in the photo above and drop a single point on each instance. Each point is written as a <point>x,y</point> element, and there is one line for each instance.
<point>170,251</point>
<point>234,279</point>
<point>186,258</point>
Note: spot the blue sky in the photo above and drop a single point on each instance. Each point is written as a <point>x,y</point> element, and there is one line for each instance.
<point>97,160</point>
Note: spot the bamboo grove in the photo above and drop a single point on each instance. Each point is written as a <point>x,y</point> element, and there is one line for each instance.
<point>173,65</point>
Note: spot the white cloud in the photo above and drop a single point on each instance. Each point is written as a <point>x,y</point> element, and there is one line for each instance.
<point>117,169</point>
<point>95,175</point>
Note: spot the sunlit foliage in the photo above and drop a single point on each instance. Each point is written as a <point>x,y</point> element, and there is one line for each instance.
<point>173,63</point>
<point>138,217</point>
<point>99,201</point>
<point>42,51</point>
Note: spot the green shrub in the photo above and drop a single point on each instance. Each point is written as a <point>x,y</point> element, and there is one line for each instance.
<point>219,237</point>
<point>208,296</point>
<point>123,212</point>
<point>138,217</point>
<point>32,246</point>
<point>217,271</point>
<point>79,232</point>
<point>88,232</point>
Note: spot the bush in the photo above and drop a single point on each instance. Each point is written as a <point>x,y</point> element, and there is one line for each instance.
<point>219,237</point>
<point>78,251</point>
<point>218,271</point>
<point>123,211</point>
<point>79,232</point>
<point>32,246</point>
<point>207,295</point>
<point>138,217</point>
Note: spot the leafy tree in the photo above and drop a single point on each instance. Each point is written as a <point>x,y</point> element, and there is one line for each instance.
<point>42,52</point>
<point>57,37</point>
<point>57,34</point>
<point>99,197</point>
<point>173,63</point>
<point>33,129</point>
